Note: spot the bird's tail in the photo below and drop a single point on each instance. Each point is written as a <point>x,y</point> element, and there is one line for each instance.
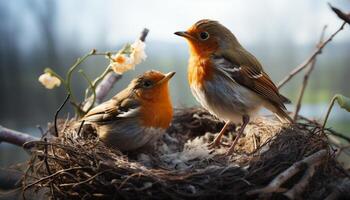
<point>285,100</point>
<point>282,115</point>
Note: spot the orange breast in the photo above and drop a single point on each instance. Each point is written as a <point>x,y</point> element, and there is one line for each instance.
<point>158,111</point>
<point>199,70</point>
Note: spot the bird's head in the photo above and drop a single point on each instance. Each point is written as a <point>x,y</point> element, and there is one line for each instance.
<point>205,37</point>
<point>152,86</point>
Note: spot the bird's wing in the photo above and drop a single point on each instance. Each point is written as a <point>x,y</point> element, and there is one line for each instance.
<point>251,77</point>
<point>120,106</point>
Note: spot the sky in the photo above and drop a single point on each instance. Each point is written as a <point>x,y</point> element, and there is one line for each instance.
<point>253,21</point>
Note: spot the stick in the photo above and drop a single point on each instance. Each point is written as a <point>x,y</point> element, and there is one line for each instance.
<point>299,188</point>
<point>303,65</point>
<point>15,137</point>
<point>275,185</point>
<point>306,77</point>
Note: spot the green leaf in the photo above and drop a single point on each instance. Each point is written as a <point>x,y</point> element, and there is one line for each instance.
<point>126,49</point>
<point>343,101</point>
<point>48,70</point>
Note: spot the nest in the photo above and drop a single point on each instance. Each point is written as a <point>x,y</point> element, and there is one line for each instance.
<point>180,166</point>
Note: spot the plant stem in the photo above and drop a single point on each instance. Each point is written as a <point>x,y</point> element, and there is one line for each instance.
<point>328,112</point>
<point>91,85</point>
<point>98,80</point>
<point>70,73</point>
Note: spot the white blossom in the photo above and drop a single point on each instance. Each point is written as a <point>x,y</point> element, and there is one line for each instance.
<point>49,81</point>
<point>122,62</point>
<point>138,51</point>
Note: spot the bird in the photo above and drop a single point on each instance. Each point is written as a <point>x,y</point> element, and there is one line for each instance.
<point>137,116</point>
<point>227,80</point>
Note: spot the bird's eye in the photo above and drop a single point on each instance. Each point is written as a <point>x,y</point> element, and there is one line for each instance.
<point>204,35</point>
<point>147,83</point>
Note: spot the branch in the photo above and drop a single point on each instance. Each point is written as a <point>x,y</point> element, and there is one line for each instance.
<point>340,14</point>
<point>303,65</point>
<point>299,188</point>
<point>275,185</point>
<point>106,85</point>
<point>15,137</point>
<point>306,77</point>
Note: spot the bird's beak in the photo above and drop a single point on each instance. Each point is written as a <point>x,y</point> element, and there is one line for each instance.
<point>166,78</point>
<point>184,34</point>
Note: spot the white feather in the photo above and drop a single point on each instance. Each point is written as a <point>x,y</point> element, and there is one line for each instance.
<point>129,113</point>
<point>226,99</point>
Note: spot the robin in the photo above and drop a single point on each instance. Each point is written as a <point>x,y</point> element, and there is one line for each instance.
<point>227,80</point>
<point>137,116</point>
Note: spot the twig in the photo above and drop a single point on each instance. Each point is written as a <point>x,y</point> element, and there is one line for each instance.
<point>80,127</point>
<point>331,131</point>
<point>338,134</point>
<point>53,175</point>
<point>58,111</point>
<point>309,60</point>
<point>15,137</point>
<point>307,75</point>
<point>92,87</point>
<point>85,181</point>
<point>275,185</point>
<point>299,188</point>
<point>106,85</point>
<point>48,170</point>
<point>144,34</point>
<point>341,15</point>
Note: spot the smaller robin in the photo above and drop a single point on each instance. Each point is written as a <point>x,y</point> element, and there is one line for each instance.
<point>137,116</point>
<point>227,80</point>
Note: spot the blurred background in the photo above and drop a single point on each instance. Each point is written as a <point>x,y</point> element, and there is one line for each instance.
<point>281,34</point>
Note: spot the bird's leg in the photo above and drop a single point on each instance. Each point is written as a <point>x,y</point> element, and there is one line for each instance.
<point>216,142</point>
<point>245,119</point>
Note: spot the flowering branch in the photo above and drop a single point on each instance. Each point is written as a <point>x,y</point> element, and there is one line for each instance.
<point>106,81</point>
<point>127,58</point>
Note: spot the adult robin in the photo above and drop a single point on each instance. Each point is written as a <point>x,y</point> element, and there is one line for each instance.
<point>137,116</point>
<point>227,80</point>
